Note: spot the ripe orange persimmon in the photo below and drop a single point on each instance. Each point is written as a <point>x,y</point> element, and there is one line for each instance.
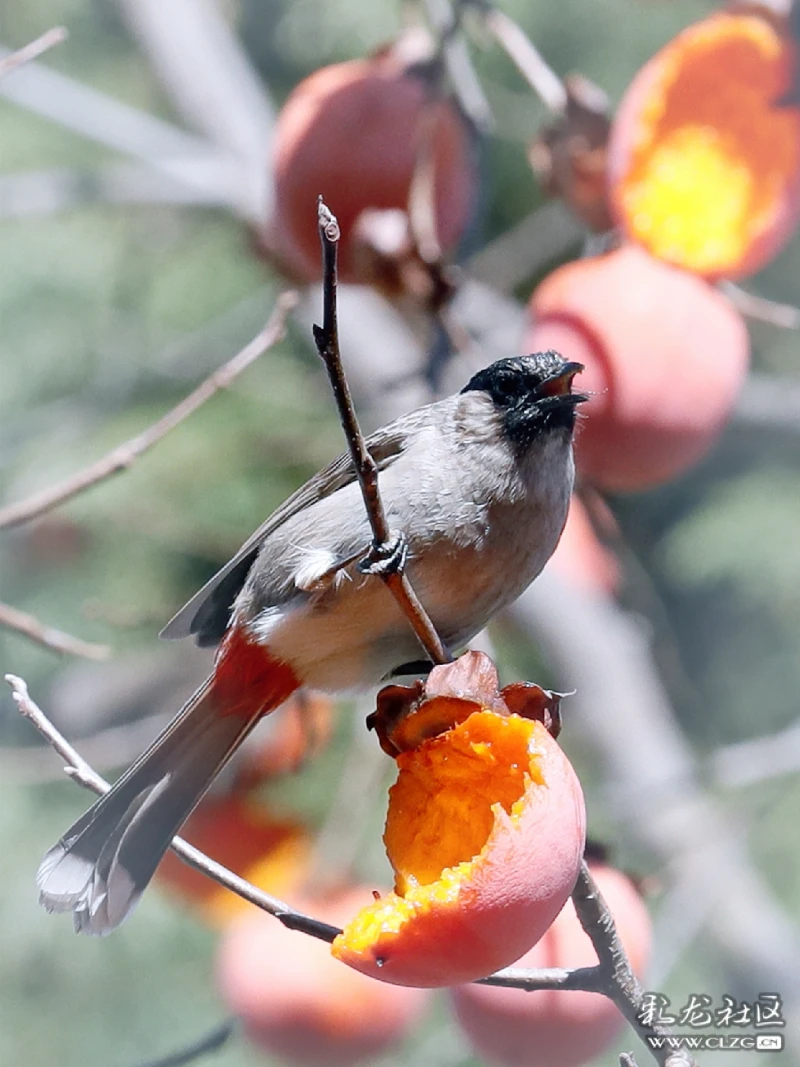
<point>512,1028</point>
<point>299,1003</point>
<point>352,133</point>
<point>665,355</point>
<point>704,154</point>
<point>485,832</point>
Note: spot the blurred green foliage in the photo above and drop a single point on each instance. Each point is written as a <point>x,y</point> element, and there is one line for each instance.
<point>109,315</point>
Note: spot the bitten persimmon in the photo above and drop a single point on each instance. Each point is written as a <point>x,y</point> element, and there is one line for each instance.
<point>704,153</point>
<point>299,1003</point>
<point>352,133</point>
<point>485,832</point>
<point>552,1028</point>
<point>665,356</point>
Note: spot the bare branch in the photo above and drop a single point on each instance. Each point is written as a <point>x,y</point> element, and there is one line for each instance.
<point>79,770</point>
<point>526,248</point>
<point>29,626</point>
<point>45,192</point>
<point>327,340</point>
<point>33,50</point>
<point>213,1041</point>
<point>211,82</point>
<point>445,19</point>
<point>90,113</point>
<point>761,309</point>
<point>758,759</point>
<point>124,455</point>
<point>526,57</point>
<point>588,979</point>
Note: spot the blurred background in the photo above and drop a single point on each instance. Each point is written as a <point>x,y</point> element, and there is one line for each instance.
<point>134,182</point>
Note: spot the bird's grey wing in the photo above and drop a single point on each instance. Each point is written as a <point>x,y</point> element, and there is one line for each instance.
<point>207,612</point>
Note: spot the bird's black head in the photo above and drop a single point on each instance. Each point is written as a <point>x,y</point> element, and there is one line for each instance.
<point>532,393</point>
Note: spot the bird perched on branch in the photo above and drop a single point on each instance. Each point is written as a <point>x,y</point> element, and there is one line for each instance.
<point>477,488</point>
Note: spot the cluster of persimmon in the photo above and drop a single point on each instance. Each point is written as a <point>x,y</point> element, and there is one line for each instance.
<point>696,179</point>
<point>700,173</point>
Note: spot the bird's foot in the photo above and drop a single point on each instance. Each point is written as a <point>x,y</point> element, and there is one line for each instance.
<point>387,558</point>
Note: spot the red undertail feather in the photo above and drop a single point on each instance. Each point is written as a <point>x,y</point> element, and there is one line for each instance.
<point>247,679</point>
<point>101,866</point>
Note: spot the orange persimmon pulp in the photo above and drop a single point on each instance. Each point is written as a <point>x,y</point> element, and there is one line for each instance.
<point>711,162</point>
<point>442,810</point>
<point>442,807</point>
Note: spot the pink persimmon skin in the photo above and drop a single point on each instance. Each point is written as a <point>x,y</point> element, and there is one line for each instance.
<point>512,1028</point>
<point>350,133</point>
<point>665,357</point>
<point>297,1002</point>
<point>526,872</point>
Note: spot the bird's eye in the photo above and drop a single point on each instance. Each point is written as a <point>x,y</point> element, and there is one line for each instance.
<point>505,388</point>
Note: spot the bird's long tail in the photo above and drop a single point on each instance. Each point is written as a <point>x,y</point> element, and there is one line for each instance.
<point>102,865</point>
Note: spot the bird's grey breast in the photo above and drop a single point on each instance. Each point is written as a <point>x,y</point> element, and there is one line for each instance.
<point>482,519</point>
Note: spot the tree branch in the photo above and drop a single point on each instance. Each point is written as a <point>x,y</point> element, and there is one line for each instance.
<point>79,770</point>
<point>213,1041</point>
<point>33,50</point>
<point>124,455</point>
<point>327,340</point>
<point>526,57</point>
<point>29,626</point>
<point>761,308</point>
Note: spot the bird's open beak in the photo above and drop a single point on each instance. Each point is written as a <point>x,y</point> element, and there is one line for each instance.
<point>560,385</point>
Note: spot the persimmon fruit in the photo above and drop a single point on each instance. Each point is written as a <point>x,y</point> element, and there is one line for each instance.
<point>353,132</point>
<point>557,1028</point>
<point>485,832</point>
<point>703,159</point>
<point>297,1002</point>
<point>665,355</point>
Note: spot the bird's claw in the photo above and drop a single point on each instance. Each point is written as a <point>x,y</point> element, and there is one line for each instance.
<point>387,558</point>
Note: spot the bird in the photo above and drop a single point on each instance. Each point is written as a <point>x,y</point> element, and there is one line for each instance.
<point>476,490</point>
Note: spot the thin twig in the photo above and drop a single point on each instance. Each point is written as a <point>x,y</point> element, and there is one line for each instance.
<point>588,979</point>
<point>193,48</point>
<point>445,18</point>
<point>29,626</point>
<point>626,1060</point>
<point>526,57</point>
<point>327,340</point>
<point>213,1041</point>
<point>120,458</point>
<point>79,770</point>
<point>761,309</point>
<point>36,48</point>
